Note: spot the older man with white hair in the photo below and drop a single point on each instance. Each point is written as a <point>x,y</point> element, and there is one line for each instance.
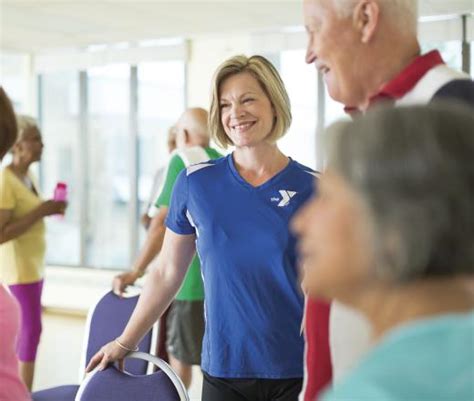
<point>368,53</point>
<point>367,50</point>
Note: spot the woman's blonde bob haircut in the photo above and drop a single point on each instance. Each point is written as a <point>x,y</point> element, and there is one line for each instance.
<point>268,78</point>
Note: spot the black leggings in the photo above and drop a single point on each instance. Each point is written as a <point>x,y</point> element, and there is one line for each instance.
<point>218,389</point>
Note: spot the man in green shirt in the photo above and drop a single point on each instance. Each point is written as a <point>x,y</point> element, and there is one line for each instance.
<point>185,322</point>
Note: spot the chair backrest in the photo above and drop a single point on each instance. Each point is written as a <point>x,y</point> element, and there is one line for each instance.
<point>106,321</point>
<point>113,384</point>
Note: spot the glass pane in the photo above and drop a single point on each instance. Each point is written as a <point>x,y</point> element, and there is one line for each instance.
<point>14,79</point>
<point>334,111</point>
<point>451,51</point>
<point>108,178</point>
<point>161,87</point>
<point>301,83</point>
<point>472,59</point>
<point>60,129</point>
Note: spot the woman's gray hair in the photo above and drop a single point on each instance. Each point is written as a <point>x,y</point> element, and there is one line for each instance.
<point>24,123</point>
<point>414,169</point>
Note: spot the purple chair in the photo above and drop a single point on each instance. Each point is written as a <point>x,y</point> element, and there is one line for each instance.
<point>105,322</point>
<point>113,384</point>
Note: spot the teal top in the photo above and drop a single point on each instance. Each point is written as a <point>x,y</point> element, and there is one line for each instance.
<point>192,288</point>
<point>428,360</point>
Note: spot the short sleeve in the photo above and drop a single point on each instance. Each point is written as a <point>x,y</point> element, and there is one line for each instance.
<point>175,166</point>
<point>177,218</point>
<point>7,197</point>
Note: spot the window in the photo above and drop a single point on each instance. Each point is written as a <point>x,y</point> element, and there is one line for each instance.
<point>14,79</point>
<point>334,111</point>
<point>161,99</point>
<point>301,83</point>
<point>472,60</point>
<point>108,173</point>
<point>451,51</point>
<point>87,120</point>
<point>61,162</point>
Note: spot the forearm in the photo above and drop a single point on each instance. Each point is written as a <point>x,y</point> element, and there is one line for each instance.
<point>160,288</point>
<point>152,246</point>
<point>14,229</point>
<point>150,249</point>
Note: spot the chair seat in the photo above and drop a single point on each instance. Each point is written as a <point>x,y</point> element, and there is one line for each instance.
<point>60,393</point>
<point>112,384</point>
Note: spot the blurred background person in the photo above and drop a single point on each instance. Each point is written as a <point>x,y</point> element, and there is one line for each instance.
<point>235,211</point>
<point>158,179</point>
<point>391,236</point>
<point>12,387</point>
<point>185,320</point>
<point>22,239</point>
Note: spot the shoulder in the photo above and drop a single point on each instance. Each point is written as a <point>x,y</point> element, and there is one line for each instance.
<point>213,153</point>
<point>4,171</point>
<point>176,161</point>
<point>198,170</point>
<point>6,175</point>
<point>303,172</point>
<point>431,83</point>
<point>459,89</point>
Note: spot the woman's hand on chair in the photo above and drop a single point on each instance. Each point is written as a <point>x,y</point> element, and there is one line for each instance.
<point>108,354</point>
<point>123,280</point>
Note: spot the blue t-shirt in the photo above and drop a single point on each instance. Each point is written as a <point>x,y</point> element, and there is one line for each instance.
<point>253,303</point>
<point>428,360</point>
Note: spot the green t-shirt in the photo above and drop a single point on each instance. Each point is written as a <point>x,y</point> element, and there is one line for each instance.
<point>192,288</point>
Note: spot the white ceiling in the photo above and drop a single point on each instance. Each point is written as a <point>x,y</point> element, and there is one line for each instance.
<point>37,25</point>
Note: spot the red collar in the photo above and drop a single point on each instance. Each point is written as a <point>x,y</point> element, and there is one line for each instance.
<point>405,80</point>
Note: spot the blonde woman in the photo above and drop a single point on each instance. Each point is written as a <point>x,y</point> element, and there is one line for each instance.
<point>22,239</point>
<point>236,211</point>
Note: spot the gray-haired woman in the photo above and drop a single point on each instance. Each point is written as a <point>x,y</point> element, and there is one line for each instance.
<point>392,235</point>
<point>22,239</point>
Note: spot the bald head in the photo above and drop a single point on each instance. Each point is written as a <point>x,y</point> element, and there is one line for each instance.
<point>192,128</point>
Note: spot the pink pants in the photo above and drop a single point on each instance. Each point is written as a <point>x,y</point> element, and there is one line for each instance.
<point>29,298</point>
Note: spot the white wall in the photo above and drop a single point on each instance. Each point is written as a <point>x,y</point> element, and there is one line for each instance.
<point>205,55</point>
<point>18,79</point>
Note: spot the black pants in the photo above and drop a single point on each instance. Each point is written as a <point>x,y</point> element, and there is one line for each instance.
<point>217,389</point>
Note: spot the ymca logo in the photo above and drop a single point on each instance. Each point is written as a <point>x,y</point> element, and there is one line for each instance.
<point>285,197</point>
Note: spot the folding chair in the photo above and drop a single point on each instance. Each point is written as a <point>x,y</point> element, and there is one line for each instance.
<point>113,384</point>
<point>105,322</point>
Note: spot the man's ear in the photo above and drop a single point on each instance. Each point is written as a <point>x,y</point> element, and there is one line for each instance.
<point>16,148</point>
<point>187,137</point>
<point>366,17</point>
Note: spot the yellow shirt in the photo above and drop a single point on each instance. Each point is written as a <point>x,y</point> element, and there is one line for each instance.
<point>22,258</point>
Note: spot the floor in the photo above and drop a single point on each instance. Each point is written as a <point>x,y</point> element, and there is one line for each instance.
<point>60,351</point>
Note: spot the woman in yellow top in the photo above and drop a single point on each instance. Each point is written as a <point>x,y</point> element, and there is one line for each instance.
<point>22,239</point>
